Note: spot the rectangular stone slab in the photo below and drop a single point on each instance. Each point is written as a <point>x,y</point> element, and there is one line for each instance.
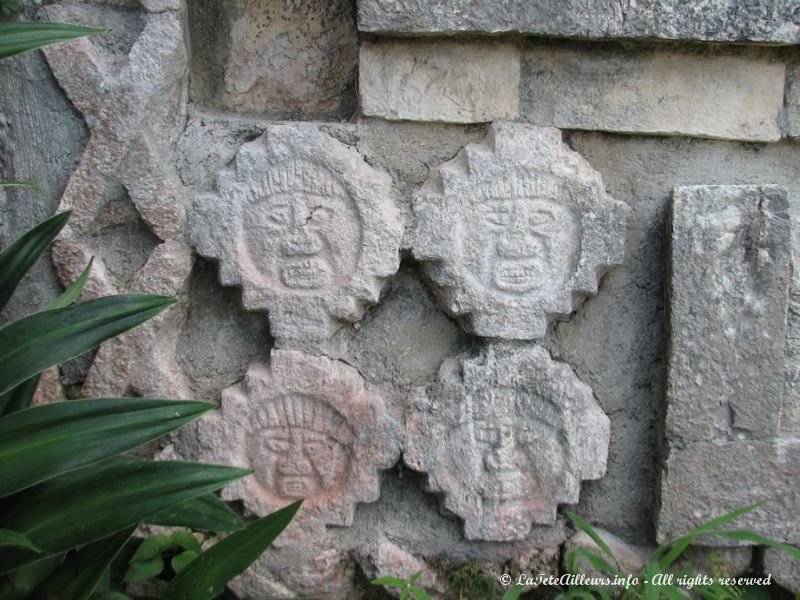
<point>704,480</point>
<point>792,123</point>
<point>443,81</point>
<point>730,273</point>
<point>718,95</point>
<point>712,20</point>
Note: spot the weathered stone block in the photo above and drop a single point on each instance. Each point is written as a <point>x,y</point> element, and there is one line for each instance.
<point>455,82</point>
<point>305,226</point>
<point>516,230</point>
<point>275,57</point>
<point>308,429</point>
<point>506,436</point>
<point>704,480</point>
<point>784,568</point>
<point>731,268</point>
<point>792,104</point>
<point>726,96</point>
<point>711,20</point>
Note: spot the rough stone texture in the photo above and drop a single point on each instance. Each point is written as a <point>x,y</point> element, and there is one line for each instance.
<point>402,342</point>
<point>49,389</point>
<point>711,20</point>
<point>506,436</point>
<point>784,568</point>
<point>730,95</point>
<point>274,57</point>
<point>792,104</point>
<point>516,230</point>
<point>383,558</point>
<point>444,81</point>
<point>126,197</point>
<point>333,228</point>
<point>731,267</point>
<point>702,481</point>
<point>309,430</point>
<point>630,557</point>
<point>714,562</point>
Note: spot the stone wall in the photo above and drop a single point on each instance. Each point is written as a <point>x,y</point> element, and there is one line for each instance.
<point>448,268</point>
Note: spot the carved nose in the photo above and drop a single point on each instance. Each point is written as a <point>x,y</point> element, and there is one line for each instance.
<point>518,245</point>
<point>302,245</point>
<point>296,463</point>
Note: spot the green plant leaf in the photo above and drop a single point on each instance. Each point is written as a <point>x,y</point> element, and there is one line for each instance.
<point>206,513</point>
<point>20,584</point>
<point>420,594</point>
<point>46,441</point>
<point>743,535</point>
<point>142,570</point>
<point>95,501</point>
<point>72,293</point>
<point>597,561</point>
<point>19,256</point>
<point>20,397</point>
<point>79,574</point>
<point>205,577</point>
<point>584,525</point>
<point>668,552</point>
<point>513,592</point>
<point>41,340</point>
<point>389,581</point>
<point>151,547</point>
<point>18,36</point>
<point>182,560</point>
<point>186,540</point>
<point>20,184</point>
<point>12,538</point>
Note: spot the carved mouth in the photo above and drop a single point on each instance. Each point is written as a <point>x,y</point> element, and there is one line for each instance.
<point>517,276</point>
<point>295,487</point>
<point>308,274</point>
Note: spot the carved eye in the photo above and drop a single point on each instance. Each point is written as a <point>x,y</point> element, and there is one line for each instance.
<point>279,216</point>
<point>499,214</point>
<point>540,218</point>
<point>315,448</point>
<point>320,214</point>
<point>280,446</point>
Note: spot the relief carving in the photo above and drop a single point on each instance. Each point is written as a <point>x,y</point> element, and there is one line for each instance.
<point>308,429</point>
<point>507,436</point>
<point>516,230</point>
<point>305,226</point>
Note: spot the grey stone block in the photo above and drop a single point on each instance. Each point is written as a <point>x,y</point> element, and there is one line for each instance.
<point>667,92</point>
<point>288,59</point>
<point>444,81</point>
<point>306,227</point>
<point>516,230</point>
<point>730,273</point>
<point>792,104</point>
<point>506,436</point>
<point>704,480</point>
<point>711,20</point>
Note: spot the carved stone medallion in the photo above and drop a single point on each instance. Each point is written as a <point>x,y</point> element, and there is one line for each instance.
<point>308,429</point>
<point>515,230</point>
<point>507,436</point>
<point>305,226</point>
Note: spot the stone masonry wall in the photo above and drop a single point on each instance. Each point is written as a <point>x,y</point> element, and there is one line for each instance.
<point>448,267</point>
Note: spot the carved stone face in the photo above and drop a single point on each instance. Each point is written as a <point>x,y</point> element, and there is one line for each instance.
<point>303,241</point>
<point>302,451</point>
<point>520,245</point>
